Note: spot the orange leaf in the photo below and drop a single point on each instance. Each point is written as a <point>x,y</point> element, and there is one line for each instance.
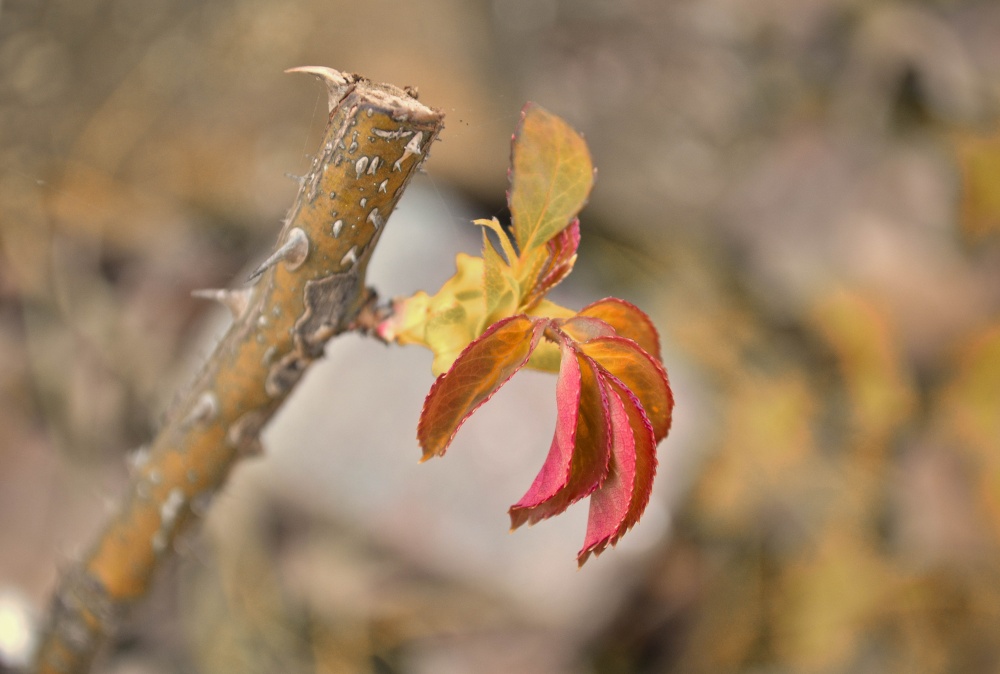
<point>642,375</point>
<point>480,370</point>
<point>628,320</point>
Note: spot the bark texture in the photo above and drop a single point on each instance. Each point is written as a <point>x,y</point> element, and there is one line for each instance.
<point>310,289</point>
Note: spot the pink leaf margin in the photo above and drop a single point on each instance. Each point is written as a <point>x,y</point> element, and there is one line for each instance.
<point>559,263</point>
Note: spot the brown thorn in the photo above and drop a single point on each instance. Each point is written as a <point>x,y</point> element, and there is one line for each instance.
<point>293,252</point>
<point>235,300</point>
<point>336,81</point>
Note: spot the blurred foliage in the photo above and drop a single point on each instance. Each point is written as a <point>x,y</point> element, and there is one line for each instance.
<point>847,520</point>
<point>979,158</point>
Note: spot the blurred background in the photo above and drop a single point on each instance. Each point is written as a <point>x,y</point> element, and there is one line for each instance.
<point>805,196</point>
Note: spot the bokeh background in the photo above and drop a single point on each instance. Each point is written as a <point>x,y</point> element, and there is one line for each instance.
<point>804,194</point>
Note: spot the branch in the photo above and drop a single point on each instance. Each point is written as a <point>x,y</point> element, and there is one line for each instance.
<point>311,289</point>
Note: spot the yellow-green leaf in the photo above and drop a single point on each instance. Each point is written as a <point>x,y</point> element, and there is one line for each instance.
<point>550,178</point>
<point>448,332</point>
<point>501,289</point>
<point>505,244</point>
<point>447,321</point>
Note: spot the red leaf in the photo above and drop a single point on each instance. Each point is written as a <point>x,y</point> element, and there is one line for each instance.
<point>610,503</point>
<point>555,472</point>
<point>624,487</point>
<point>561,251</point>
<point>587,465</point>
<point>628,320</point>
<point>641,373</point>
<point>480,370</point>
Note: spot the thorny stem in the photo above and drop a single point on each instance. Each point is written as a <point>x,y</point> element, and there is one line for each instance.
<point>311,289</point>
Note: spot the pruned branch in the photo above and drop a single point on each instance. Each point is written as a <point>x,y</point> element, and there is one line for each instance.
<point>309,290</point>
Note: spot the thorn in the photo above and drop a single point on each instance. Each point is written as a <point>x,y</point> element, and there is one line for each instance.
<point>336,81</point>
<point>294,252</point>
<point>375,218</point>
<point>244,434</point>
<point>206,408</point>
<point>301,180</point>
<point>410,149</point>
<point>234,300</point>
<point>360,165</point>
<point>414,145</point>
<point>351,258</point>
<point>392,135</point>
<point>137,459</point>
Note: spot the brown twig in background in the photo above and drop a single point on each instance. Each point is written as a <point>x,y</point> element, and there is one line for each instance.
<point>309,290</point>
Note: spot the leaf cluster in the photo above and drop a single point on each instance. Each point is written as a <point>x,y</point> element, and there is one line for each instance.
<point>492,318</point>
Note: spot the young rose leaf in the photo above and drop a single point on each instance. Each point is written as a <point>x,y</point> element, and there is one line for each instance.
<point>555,472</point>
<point>640,373</point>
<point>610,503</point>
<point>485,365</point>
<point>559,261</point>
<point>529,269</point>
<point>407,322</point>
<point>499,285</point>
<point>562,250</point>
<point>628,320</point>
<point>550,177</point>
<point>546,357</point>
<point>631,481</point>
<point>588,462</point>
<point>505,244</point>
<point>585,328</point>
<point>447,331</point>
<point>549,309</point>
<point>446,322</point>
<point>645,457</point>
<point>614,403</point>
